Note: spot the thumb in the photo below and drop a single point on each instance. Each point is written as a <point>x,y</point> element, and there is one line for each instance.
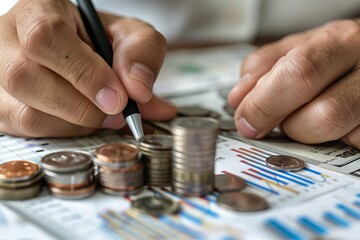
<point>139,52</point>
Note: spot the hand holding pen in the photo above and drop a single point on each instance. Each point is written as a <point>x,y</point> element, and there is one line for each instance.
<point>54,84</point>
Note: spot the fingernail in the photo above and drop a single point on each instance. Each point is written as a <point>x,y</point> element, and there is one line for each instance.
<point>113,121</point>
<point>246,129</point>
<point>143,74</point>
<point>108,99</point>
<point>245,78</point>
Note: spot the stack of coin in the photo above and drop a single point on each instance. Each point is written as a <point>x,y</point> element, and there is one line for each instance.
<point>155,205</point>
<point>69,174</point>
<point>156,155</point>
<point>193,155</point>
<point>121,172</point>
<point>20,180</point>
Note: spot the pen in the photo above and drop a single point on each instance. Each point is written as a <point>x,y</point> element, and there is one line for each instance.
<point>103,47</point>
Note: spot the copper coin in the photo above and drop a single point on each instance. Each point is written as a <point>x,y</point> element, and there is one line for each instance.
<point>18,170</point>
<point>75,193</point>
<point>285,163</point>
<point>229,183</point>
<point>117,152</point>
<point>66,161</point>
<point>242,202</point>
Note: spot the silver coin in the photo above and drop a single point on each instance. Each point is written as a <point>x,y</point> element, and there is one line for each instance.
<point>69,178</point>
<point>195,125</point>
<point>125,192</point>
<point>21,193</point>
<point>242,202</point>
<point>285,163</point>
<point>158,142</point>
<point>227,125</point>
<point>228,183</point>
<point>155,205</point>
<point>192,111</point>
<point>66,161</point>
<point>229,109</point>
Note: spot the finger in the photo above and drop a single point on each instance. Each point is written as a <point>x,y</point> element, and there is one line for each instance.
<point>297,78</point>
<point>139,52</point>
<point>44,90</point>
<point>247,82</point>
<point>158,109</point>
<point>353,137</point>
<point>20,120</point>
<point>262,60</point>
<point>330,116</point>
<point>259,62</point>
<point>48,36</point>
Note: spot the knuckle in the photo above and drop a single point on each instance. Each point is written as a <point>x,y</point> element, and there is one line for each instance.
<point>86,114</point>
<point>298,75</point>
<point>15,74</point>
<point>30,122</point>
<point>332,119</point>
<point>81,72</point>
<point>261,110</point>
<point>41,34</point>
<point>263,54</point>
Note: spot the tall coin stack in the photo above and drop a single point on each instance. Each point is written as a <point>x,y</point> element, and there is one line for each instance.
<point>120,170</point>
<point>69,174</point>
<point>20,180</point>
<point>193,155</point>
<point>156,155</point>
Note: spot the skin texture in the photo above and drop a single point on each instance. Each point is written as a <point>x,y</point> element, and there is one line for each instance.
<point>307,83</point>
<point>53,84</point>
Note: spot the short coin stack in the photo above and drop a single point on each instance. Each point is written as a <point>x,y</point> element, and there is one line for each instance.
<point>156,155</point>
<point>193,155</point>
<point>69,174</point>
<point>20,180</point>
<point>121,172</point>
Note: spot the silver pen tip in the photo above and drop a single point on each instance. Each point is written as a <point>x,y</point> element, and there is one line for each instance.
<point>135,125</point>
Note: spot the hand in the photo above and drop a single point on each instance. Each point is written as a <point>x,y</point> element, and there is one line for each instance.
<point>53,84</point>
<point>307,83</point>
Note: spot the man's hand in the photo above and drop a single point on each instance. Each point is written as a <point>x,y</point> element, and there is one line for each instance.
<point>307,83</point>
<point>53,84</point>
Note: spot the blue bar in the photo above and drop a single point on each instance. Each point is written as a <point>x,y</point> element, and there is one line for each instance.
<point>349,211</point>
<point>281,176</point>
<point>312,170</point>
<point>312,226</point>
<point>190,217</point>
<point>180,227</point>
<point>281,229</point>
<point>205,210</point>
<point>357,203</point>
<point>271,178</point>
<point>358,195</point>
<point>261,187</point>
<point>336,219</point>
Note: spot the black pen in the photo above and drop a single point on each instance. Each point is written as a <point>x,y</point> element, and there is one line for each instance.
<point>102,45</point>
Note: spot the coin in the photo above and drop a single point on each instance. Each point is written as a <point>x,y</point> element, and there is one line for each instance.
<point>227,125</point>
<point>285,163</point>
<point>229,183</point>
<point>117,152</point>
<point>157,142</point>
<point>192,111</point>
<point>229,109</point>
<point>21,193</point>
<point>242,202</point>
<point>67,161</point>
<point>155,205</point>
<point>18,170</point>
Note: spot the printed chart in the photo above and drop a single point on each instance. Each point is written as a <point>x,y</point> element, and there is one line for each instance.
<point>313,202</point>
